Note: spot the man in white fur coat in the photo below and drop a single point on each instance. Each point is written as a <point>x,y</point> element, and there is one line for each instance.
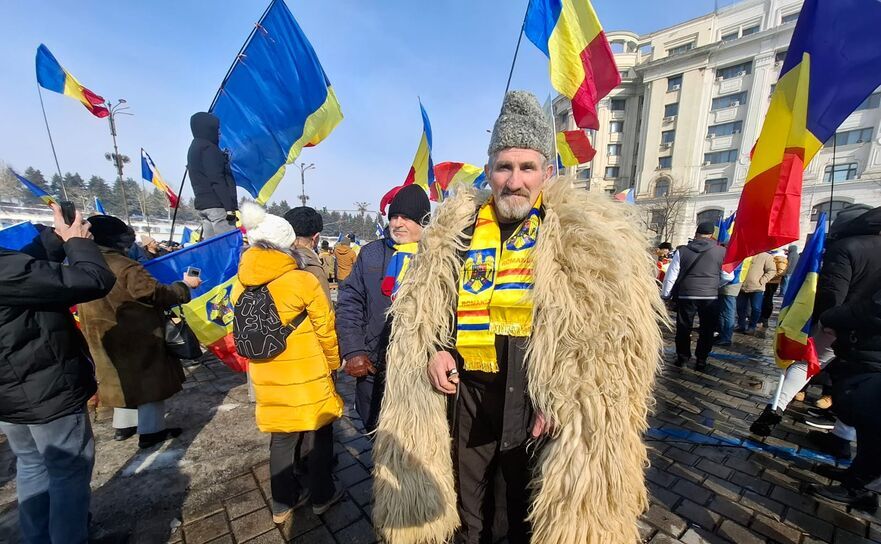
<point>524,347</point>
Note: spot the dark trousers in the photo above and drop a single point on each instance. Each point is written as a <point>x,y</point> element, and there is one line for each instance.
<point>368,399</point>
<point>485,475</point>
<point>768,301</point>
<point>749,309</point>
<point>285,452</point>
<point>708,312</point>
<point>857,400</point>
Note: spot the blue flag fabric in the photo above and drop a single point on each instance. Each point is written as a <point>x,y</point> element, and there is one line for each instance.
<point>186,236</point>
<point>99,208</point>
<point>216,257</point>
<point>275,101</point>
<point>18,236</point>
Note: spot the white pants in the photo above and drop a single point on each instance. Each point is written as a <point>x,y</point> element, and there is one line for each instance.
<point>796,378</point>
<point>148,418</point>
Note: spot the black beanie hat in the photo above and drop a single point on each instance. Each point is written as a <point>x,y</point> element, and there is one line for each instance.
<point>111,232</point>
<point>305,221</point>
<point>411,202</point>
<point>707,227</point>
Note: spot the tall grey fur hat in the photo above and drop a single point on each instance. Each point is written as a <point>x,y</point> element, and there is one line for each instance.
<point>523,124</point>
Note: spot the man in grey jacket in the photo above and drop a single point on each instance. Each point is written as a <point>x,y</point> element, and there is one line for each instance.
<point>696,274</point>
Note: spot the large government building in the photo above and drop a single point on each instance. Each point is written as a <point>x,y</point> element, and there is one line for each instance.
<point>680,127</point>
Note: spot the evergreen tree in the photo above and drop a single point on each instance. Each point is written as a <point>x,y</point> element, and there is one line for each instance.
<point>98,188</point>
<point>35,177</point>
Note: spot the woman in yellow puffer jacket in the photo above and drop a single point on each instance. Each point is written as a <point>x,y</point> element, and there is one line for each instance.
<point>295,391</point>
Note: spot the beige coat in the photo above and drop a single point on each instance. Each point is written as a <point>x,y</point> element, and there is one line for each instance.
<point>761,271</point>
<point>591,363</point>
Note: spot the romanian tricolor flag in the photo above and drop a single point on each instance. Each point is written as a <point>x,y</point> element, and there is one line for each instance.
<point>51,76</point>
<point>627,195</point>
<point>724,228</point>
<point>150,173</point>
<point>447,174</point>
<point>832,65</point>
<point>793,341</point>
<point>573,147</point>
<point>422,170</point>
<point>209,313</point>
<point>582,66</point>
<point>39,193</point>
<point>275,101</point>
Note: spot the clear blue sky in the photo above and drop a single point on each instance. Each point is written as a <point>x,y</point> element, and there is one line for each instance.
<point>166,58</point>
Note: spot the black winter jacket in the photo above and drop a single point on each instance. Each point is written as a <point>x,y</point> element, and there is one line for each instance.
<point>848,266</point>
<point>45,368</point>
<point>700,279</point>
<point>857,326</point>
<point>361,305</point>
<point>208,166</point>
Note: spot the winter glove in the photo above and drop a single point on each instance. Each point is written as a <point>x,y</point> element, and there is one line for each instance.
<point>231,217</point>
<point>359,366</point>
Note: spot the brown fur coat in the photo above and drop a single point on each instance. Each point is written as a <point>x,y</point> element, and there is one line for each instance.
<point>591,362</point>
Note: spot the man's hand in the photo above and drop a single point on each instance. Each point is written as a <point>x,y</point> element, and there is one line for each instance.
<point>358,366</point>
<point>78,229</point>
<point>540,426</point>
<point>442,373</point>
<point>231,217</point>
<point>193,282</point>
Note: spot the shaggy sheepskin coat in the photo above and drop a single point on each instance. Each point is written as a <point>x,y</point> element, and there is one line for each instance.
<point>591,363</point>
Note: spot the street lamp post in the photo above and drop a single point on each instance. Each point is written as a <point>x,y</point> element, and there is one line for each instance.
<point>114,109</point>
<point>303,168</point>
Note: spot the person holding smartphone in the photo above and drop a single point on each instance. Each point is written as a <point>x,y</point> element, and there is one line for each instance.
<point>126,334</point>
<point>46,377</point>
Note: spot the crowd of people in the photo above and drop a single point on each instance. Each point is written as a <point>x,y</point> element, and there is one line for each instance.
<point>503,348</point>
<point>844,334</point>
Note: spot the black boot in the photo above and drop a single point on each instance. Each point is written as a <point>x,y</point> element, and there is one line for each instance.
<point>700,365</point>
<point>767,420</point>
<point>149,440</point>
<point>854,499</point>
<point>828,471</point>
<point>830,444</point>
<point>124,434</point>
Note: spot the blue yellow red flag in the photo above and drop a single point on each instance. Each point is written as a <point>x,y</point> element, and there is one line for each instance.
<point>833,63</point>
<point>51,76</point>
<point>150,173</point>
<point>574,148</point>
<point>723,229</point>
<point>793,340</point>
<point>32,187</point>
<point>275,101</point>
<point>422,170</point>
<point>582,66</point>
<point>627,195</point>
<point>448,174</point>
<point>209,312</point>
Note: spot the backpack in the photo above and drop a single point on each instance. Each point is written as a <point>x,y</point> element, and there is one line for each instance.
<point>257,328</point>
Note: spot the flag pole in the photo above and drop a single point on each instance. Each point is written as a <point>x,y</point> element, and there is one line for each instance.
<point>51,143</point>
<point>832,176</point>
<point>214,102</point>
<point>516,51</point>
<point>776,402</point>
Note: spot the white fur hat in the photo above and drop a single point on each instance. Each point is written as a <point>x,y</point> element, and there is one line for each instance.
<point>265,227</point>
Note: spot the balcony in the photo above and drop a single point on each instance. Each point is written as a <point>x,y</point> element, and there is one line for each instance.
<point>730,85</point>
<point>665,146</point>
<point>725,115</point>
<point>670,119</point>
<point>718,143</point>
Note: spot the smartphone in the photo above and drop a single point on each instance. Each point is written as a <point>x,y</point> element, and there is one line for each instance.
<point>68,211</point>
<point>193,271</point>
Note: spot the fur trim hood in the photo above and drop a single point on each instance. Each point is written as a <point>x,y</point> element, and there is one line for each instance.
<point>591,360</point>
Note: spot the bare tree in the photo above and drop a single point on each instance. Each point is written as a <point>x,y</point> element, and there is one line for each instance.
<point>664,211</point>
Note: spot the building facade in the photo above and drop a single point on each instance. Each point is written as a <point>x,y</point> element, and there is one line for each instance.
<point>680,127</point>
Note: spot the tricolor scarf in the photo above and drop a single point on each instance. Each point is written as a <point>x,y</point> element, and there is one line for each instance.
<point>495,287</point>
<point>397,267</point>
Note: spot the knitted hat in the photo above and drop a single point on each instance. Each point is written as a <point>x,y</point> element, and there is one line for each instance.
<point>411,202</point>
<point>665,245</point>
<point>522,124</point>
<point>265,227</point>
<point>707,227</point>
<point>305,221</point>
<point>112,232</point>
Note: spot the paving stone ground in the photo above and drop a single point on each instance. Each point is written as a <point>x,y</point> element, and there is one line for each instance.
<point>707,483</point>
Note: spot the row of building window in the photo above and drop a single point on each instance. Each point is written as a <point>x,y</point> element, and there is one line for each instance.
<point>739,33</point>
<point>728,101</point>
<point>725,129</point>
<point>851,137</point>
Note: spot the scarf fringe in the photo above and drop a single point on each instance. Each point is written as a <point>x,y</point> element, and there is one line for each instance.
<point>510,329</point>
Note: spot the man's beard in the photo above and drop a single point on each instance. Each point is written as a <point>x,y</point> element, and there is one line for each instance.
<point>510,208</point>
